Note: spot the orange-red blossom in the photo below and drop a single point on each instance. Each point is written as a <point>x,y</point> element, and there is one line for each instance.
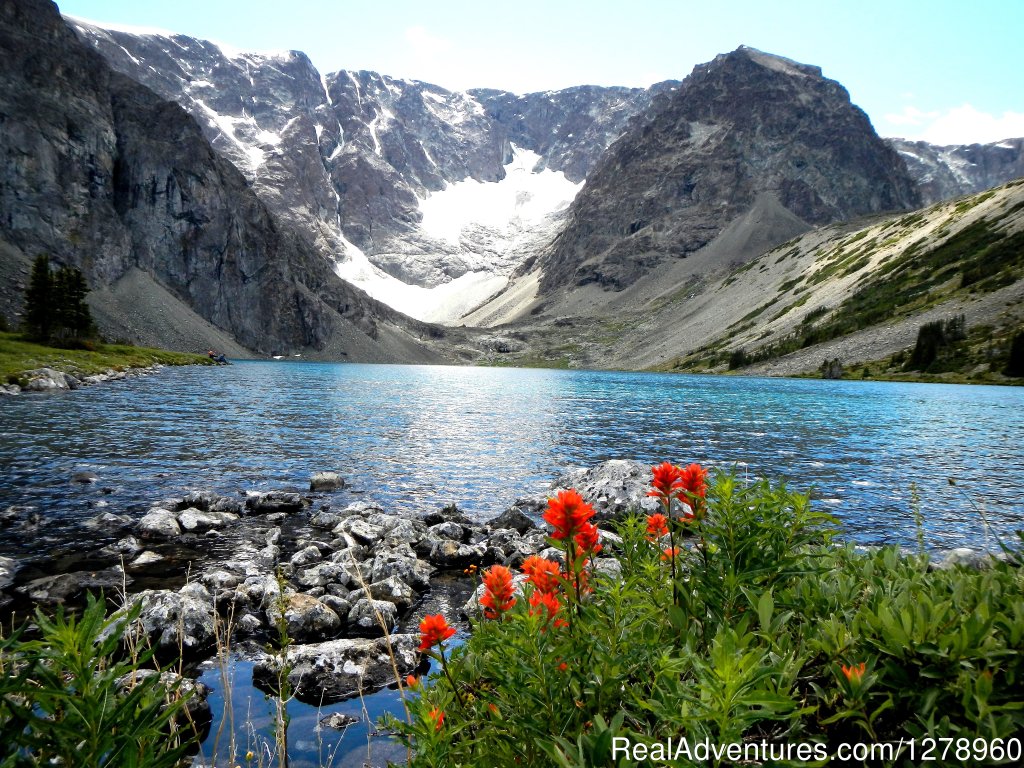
<point>548,605</point>
<point>667,481</point>
<point>438,717</point>
<point>855,672</point>
<point>433,630</point>
<point>542,573</point>
<point>498,591</point>
<point>657,526</point>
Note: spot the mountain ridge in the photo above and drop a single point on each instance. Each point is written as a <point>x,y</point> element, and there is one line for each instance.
<point>103,174</point>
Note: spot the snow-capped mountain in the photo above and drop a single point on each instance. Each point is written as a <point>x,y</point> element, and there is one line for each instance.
<point>944,172</point>
<point>428,199</point>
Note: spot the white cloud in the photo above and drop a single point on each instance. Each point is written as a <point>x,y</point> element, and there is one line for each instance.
<point>960,125</point>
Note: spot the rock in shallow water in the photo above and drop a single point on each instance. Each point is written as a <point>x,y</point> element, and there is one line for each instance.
<point>339,669</point>
<point>159,523</point>
<point>326,481</point>
<point>173,620</point>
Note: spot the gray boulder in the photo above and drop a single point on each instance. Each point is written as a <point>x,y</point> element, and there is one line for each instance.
<point>372,618</point>
<point>339,669</point>
<point>306,556</point>
<point>613,488</point>
<point>392,589</point>
<point>359,529</point>
<point>176,620</point>
<point>64,586</point>
<point>308,619</point>
<point>269,502</point>
<point>196,520</point>
<point>448,530</point>
<point>323,574</point>
<point>452,554</point>
<point>326,481</point>
<point>8,568</point>
<point>513,518</point>
<point>159,523</point>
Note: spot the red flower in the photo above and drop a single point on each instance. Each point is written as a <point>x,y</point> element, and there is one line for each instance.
<point>438,717</point>
<point>433,630</point>
<point>694,480</point>
<point>587,539</point>
<point>562,667</point>
<point>499,589</point>
<point>543,574</point>
<point>567,512</point>
<point>669,553</point>
<point>657,526</point>
<point>855,672</point>
<point>667,480</point>
<point>412,681</point>
<point>547,604</point>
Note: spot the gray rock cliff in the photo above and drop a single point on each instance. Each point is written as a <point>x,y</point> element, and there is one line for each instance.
<point>100,172</point>
<point>745,125</point>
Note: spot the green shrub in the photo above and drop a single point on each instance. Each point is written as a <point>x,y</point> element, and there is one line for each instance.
<point>62,700</point>
<point>769,631</point>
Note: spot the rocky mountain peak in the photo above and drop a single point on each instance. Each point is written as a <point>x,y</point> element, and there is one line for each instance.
<point>748,130</point>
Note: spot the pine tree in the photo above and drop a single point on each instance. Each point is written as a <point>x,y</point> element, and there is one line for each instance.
<point>39,300</point>
<point>55,303</point>
<point>1015,365</point>
<point>78,317</point>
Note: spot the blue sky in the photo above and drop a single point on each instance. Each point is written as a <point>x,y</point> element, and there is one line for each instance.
<point>939,70</point>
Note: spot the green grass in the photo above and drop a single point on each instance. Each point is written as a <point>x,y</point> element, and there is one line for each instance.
<point>18,356</point>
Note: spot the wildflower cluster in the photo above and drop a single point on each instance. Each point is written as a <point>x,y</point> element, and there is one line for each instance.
<point>761,629</point>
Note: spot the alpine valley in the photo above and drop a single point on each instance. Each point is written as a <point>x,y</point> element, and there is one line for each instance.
<point>747,216</point>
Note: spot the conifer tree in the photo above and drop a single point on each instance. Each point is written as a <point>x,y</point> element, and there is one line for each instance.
<point>55,303</point>
<point>1015,365</point>
<point>39,300</point>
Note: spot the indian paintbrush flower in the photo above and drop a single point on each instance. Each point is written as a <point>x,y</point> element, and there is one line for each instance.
<point>855,672</point>
<point>498,592</point>
<point>434,630</point>
<point>657,526</point>
<point>567,513</point>
<point>543,574</point>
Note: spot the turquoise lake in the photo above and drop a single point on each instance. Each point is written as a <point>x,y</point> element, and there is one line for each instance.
<point>425,436</point>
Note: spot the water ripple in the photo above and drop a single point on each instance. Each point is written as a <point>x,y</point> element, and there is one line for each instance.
<point>420,437</point>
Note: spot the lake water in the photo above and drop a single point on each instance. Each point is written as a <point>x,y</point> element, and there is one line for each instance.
<point>424,436</point>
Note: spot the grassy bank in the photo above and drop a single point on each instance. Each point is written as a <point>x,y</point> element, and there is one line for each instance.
<point>18,356</point>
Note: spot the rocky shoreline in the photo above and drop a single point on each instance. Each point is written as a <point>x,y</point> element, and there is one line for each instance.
<point>52,380</point>
<point>337,577</point>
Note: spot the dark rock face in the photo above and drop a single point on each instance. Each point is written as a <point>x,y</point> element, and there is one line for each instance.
<point>744,125</point>
<point>569,129</point>
<point>944,172</point>
<point>349,156</point>
<point>102,173</point>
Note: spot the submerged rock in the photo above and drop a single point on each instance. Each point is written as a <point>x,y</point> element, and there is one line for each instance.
<point>326,481</point>
<point>8,568</point>
<point>339,669</point>
<point>65,586</point>
<point>269,502</point>
<point>198,520</point>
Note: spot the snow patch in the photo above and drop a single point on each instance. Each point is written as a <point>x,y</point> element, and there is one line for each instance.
<point>437,305</point>
<point>524,197</point>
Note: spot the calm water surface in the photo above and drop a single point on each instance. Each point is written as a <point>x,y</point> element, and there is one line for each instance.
<point>424,436</point>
